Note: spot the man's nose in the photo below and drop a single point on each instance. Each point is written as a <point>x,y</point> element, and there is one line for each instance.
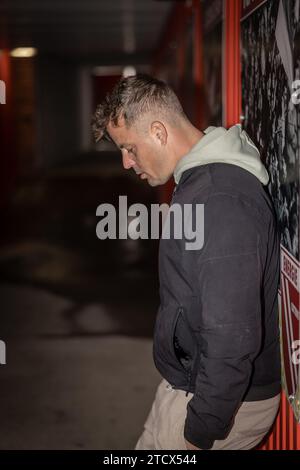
<point>127,161</point>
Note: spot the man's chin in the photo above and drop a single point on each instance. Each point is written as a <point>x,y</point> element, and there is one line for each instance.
<point>154,182</point>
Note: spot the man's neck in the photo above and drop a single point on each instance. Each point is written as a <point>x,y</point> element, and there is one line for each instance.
<point>186,138</point>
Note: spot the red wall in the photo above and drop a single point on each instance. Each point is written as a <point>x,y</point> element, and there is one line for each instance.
<point>7,150</point>
<point>285,433</point>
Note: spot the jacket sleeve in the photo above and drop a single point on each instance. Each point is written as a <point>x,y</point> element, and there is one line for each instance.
<point>228,281</point>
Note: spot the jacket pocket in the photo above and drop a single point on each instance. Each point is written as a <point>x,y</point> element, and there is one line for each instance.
<point>174,348</point>
<point>184,344</point>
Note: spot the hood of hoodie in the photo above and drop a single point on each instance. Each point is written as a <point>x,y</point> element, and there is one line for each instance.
<point>219,145</point>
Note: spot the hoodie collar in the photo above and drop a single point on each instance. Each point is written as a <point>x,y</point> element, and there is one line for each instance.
<point>219,145</point>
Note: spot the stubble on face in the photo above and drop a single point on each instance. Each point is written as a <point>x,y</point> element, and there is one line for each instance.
<point>142,149</point>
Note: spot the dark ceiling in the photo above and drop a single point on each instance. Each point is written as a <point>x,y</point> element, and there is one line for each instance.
<point>102,31</point>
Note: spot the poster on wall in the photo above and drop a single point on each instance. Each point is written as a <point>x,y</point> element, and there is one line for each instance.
<point>270,72</point>
<point>249,6</point>
<point>290,327</point>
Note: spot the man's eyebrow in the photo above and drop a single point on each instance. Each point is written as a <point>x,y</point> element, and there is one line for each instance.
<point>108,137</point>
<point>121,146</point>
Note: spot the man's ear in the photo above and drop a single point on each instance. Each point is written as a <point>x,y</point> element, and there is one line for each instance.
<point>159,132</point>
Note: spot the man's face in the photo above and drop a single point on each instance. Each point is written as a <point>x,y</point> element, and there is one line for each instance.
<point>144,151</point>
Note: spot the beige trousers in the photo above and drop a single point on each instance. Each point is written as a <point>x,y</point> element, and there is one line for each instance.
<point>164,426</point>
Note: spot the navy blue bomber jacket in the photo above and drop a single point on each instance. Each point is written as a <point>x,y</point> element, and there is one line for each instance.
<point>216,333</point>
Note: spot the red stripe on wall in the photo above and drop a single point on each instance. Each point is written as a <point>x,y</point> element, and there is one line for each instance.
<point>232,63</point>
<point>198,64</point>
<point>285,434</point>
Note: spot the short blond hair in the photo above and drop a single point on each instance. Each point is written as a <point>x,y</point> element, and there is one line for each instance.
<point>132,98</point>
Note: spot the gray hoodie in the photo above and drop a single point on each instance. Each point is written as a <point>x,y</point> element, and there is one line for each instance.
<point>219,145</point>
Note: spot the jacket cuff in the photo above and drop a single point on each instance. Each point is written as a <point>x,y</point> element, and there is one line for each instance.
<point>191,435</point>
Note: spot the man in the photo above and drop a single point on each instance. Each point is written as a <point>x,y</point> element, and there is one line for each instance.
<point>216,340</point>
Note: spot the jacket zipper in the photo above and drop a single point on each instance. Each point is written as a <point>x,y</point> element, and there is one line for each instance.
<point>174,192</point>
<point>189,371</point>
<point>189,382</point>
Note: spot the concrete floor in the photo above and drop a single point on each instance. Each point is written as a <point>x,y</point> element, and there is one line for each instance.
<point>77,314</point>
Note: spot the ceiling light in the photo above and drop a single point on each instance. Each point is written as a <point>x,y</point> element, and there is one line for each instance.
<point>23,52</point>
<point>128,71</point>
